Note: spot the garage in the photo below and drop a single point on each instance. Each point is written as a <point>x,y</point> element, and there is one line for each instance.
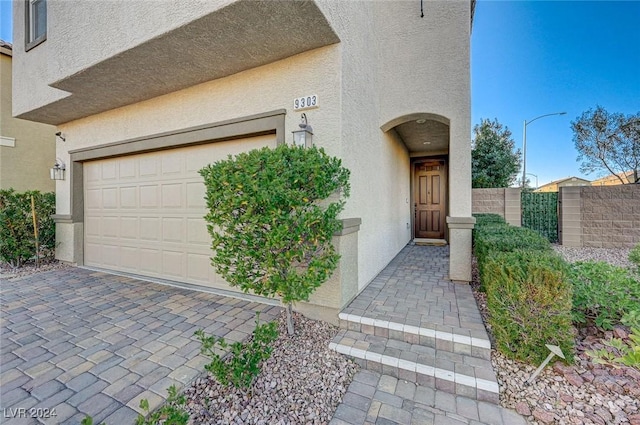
<point>143,213</point>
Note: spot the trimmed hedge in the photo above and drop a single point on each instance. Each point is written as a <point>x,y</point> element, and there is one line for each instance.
<point>529,299</point>
<point>17,242</point>
<point>493,238</point>
<point>484,219</point>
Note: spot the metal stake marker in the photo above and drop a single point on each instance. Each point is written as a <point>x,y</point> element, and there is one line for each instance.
<point>555,351</point>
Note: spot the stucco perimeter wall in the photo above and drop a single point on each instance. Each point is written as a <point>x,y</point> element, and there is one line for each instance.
<point>502,201</point>
<point>601,217</point>
<point>25,165</point>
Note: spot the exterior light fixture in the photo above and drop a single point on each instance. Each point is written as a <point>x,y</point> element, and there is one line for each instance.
<point>59,134</point>
<point>303,137</point>
<point>57,172</point>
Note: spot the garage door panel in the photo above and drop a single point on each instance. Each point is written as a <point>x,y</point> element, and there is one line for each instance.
<point>129,197</point>
<point>150,261</point>
<point>129,227</point>
<point>111,255</point>
<point>197,233</point>
<point>144,212</point>
<point>150,228</point>
<point>110,198</point>
<point>110,227</point>
<point>109,170</point>
<point>195,195</point>
<point>172,195</point>
<point>149,196</point>
<point>172,263</point>
<point>126,168</point>
<point>130,258</point>
<point>148,166</point>
<point>93,199</point>
<point>172,230</point>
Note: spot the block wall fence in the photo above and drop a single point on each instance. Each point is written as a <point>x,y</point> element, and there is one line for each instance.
<point>588,216</point>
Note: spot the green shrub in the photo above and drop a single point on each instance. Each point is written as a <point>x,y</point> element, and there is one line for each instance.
<point>604,294</point>
<point>17,240</point>
<point>634,257</point>
<point>529,302</point>
<point>243,364</point>
<point>483,219</point>
<point>272,217</point>
<point>618,352</point>
<point>490,240</point>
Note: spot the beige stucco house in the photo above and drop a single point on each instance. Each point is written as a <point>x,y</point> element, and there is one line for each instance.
<point>146,93</point>
<point>27,149</point>
<point>555,185</point>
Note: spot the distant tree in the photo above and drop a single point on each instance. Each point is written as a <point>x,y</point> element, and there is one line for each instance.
<point>494,159</point>
<point>608,142</point>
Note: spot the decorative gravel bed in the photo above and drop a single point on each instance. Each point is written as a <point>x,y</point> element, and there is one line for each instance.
<point>7,272</point>
<point>302,383</point>
<point>583,393</point>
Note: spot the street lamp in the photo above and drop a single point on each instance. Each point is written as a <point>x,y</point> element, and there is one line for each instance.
<point>524,144</point>
<point>534,175</point>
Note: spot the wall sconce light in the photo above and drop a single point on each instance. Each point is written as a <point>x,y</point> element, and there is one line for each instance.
<point>59,134</point>
<point>303,137</point>
<point>57,172</point>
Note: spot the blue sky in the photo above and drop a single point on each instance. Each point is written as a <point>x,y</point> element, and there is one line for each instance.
<point>531,58</point>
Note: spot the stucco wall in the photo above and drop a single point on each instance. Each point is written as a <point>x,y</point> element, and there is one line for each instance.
<point>601,217</point>
<point>93,38</point>
<point>395,63</point>
<point>26,165</point>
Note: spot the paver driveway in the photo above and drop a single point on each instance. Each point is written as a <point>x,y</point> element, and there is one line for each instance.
<point>77,342</point>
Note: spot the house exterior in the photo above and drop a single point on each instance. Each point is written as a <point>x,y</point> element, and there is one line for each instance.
<point>147,93</point>
<point>27,149</point>
<point>614,179</point>
<point>555,186</point>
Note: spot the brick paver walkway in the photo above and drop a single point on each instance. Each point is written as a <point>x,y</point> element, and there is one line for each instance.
<point>423,347</point>
<point>78,342</point>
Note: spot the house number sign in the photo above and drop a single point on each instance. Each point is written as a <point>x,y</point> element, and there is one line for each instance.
<point>305,102</point>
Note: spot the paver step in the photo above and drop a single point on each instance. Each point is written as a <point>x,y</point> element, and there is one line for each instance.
<point>382,399</point>
<point>456,373</point>
<point>472,342</point>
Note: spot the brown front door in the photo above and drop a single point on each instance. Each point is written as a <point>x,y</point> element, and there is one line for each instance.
<point>429,199</point>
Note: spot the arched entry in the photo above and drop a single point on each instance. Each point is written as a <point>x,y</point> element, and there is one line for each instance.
<point>426,137</point>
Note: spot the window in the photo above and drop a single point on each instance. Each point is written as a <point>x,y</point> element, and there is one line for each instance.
<point>35,22</point>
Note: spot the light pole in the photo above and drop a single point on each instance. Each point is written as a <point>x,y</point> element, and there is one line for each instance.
<point>524,144</point>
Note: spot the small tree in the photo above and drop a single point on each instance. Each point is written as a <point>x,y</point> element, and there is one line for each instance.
<point>271,222</point>
<point>494,160</point>
<point>608,142</point>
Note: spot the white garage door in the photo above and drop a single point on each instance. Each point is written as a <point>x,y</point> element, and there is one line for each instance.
<point>144,213</point>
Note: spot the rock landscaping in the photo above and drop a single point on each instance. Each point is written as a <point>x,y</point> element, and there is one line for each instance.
<point>301,383</point>
<point>28,269</point>
<point>582,393</point>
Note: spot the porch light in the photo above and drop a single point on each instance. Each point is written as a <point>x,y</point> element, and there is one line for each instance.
<point>57,172</point>
<point>303,137</point>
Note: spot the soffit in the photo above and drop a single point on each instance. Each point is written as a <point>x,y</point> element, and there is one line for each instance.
<point>430,136</point>
<point>240,36</point>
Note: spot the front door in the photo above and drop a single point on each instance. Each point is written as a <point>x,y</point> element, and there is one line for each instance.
<point>429,199</point>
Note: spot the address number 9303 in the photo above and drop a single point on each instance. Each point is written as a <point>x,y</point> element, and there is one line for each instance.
<point>305,102</point>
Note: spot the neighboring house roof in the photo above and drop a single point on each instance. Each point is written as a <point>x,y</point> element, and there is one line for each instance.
<point>567,181</point>
<point>614,179</point>
<point>6,48</point>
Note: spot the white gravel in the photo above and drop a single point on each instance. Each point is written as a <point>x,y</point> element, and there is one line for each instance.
<point>7,272</point>
<point>615,256</point>
<point>302,383</point>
